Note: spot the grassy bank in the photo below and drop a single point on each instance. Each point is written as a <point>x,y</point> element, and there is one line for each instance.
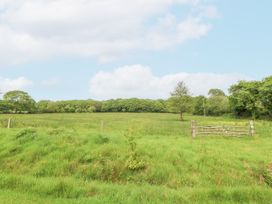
<point>131,158</point>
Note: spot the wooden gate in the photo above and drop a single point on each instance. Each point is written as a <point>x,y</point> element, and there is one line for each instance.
<point>224,130</point>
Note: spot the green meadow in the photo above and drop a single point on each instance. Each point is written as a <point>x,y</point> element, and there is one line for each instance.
<point>131,158</point>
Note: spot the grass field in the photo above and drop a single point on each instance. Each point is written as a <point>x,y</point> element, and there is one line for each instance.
<point>134,158</point>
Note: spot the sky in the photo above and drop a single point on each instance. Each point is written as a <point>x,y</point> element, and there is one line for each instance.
<point>103,49</point>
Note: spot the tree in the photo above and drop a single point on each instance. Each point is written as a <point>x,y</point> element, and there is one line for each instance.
<point>216,92</point>
<point>245,99</point>
<point>180,100</point>
<point>266,95</point>
<point>200,105</point>
<point>5,107</point>
<point>42,106</point>
<point>217,103</point>
<point>133,105</point>
<point>21,101</point>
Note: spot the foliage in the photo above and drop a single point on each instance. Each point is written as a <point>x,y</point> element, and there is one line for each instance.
<point>89,106</point>
<point>245,99</point>
<point>215,105</point>
<point>265,92</point>
<point>20,102</point>
<point>46,106</point>
<point>180,100</point>
<point>134,162</point>
<point>218,103</point>
<point>133,105</point>
<point>216,92</point>
<point>6,107</point>
<point>70,106</point>
<point>199,105</point>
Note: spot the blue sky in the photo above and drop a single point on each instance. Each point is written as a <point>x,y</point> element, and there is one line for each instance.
<point>123,50</point>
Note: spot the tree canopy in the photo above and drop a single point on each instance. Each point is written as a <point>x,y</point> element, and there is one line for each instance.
<point>265,92</point>
<point>217,103</point>
<point>20,101</point>
<point>245,99</point>
<point>180,100</point>
<point>216,92</point>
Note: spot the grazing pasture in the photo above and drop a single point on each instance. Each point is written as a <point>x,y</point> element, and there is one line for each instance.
<point>131,158</point>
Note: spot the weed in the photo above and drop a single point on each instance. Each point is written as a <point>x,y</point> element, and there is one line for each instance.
<point>134,162</point>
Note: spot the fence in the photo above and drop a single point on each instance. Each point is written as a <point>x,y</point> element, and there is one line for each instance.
<point>16,123</point>
<point>224,130</point>
<point>48,121</point>
<point>5,122</point>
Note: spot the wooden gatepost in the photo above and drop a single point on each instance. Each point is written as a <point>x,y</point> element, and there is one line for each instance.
<point>193,127</point>
<point>9,123</point>
<point>224,130</point>
<point>251,128</point>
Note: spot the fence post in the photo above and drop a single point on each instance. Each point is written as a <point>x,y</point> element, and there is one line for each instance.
<point>9,123</point>
<point>193,126</point>
<point>251,128</point>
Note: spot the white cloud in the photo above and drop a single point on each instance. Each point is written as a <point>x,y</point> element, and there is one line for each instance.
<point>210,11</point>
<point>139,81</point>
<point>20,83</point>
<point>168,31</point>
<point>33,29</point>
<point>50,82</point>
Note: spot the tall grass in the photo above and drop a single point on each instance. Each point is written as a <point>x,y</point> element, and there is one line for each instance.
<point>65,158</point>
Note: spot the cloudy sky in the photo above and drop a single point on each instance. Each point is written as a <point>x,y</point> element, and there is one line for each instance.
<point>101,49</point>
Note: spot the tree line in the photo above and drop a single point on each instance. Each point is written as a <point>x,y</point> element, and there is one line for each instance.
<point>21,102</point>
<point>245,99</point>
